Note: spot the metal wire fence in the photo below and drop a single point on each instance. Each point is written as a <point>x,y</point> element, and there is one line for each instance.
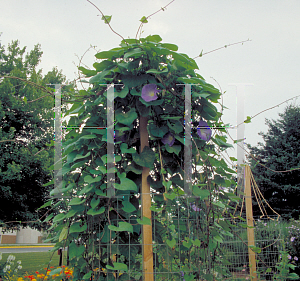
<point>268,238</point>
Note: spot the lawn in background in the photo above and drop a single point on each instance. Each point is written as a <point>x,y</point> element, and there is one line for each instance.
<point>35,261</point>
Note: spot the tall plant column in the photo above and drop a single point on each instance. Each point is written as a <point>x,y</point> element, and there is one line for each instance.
<point>146,212</point>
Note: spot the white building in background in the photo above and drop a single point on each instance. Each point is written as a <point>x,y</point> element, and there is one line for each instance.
<point>23,236</point>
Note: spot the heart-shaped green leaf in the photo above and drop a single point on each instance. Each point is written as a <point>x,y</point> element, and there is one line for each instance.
<point>126,118</point>
<point>146,158</point>
<point>90,179</point>
<point>156,131</point>
<point>145,221</point>
<point>202,193</point>
<point>95,202</point>
<point>174,148</point>
<point>187,244</point>
<point>128,207</point>
<point>76,201</point>
<point>124,148</point>
<point>75,251</point>
<point>123,93</point>
<point>171,243</point>
<point>59,217</point>
<point>126,184</point>
<point>93,212</point>
<point>76,227</point>
<point>196,242</point>
<point>123,226</point>
<point>118,266</point>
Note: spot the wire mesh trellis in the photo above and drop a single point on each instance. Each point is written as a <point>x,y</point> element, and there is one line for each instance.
<point>266,235</point>
<point>268,238</point>
<point>188,218</point>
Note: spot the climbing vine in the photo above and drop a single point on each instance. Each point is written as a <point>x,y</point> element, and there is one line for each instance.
<point>101,227</point>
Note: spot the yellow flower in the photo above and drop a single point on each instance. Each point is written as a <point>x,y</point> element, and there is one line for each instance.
<point>20,279</point>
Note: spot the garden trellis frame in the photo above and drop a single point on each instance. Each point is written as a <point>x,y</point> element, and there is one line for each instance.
<point>256,235</point>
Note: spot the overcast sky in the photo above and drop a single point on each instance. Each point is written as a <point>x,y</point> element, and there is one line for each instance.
<point>270,61</point>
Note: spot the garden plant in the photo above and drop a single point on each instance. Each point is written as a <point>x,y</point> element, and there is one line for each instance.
<point>163,110</point>
<point>102,226</point>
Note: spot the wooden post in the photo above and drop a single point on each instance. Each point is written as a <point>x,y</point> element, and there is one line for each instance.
<point>249,215</point>
<point>147,249</point>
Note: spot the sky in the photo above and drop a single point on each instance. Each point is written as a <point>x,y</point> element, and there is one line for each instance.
<point>269,61</point>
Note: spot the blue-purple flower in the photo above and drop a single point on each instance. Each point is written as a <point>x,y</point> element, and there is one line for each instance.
<point>195,208</point>
<point>149,92</point>
<point>204,131</point>
<point>295,258</point>
<point>168,139</point>
<point>292,239</point>
<point>289,257</point>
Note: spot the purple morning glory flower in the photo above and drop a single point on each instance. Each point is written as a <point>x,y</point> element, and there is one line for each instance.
<point>292,239</point>
<point>204,131</point>
<point>149,92</point>
<point>295,258</point>
<point>289,257</point>
<point>168,139</point>
<point>195,208</point>
<point>182,274</point>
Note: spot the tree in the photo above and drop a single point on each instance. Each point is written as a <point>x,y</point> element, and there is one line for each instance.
<point>280,152</point>
<point>26,127</point>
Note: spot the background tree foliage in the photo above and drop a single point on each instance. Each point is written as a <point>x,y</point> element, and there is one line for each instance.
<point>280,152</point>
<point>25,130</point>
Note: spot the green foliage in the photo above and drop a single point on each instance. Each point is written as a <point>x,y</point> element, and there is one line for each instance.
<point>90,216</point>
<point>292,244</point>
<point>280,152</point>
<point>26,133</point>
<point>284,267</point>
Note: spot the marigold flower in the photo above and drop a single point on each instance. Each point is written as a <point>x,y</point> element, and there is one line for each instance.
<point>168,139</point>
<point>204,131</point>
<point>149,92</point>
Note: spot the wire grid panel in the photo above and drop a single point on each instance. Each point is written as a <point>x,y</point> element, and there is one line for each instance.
<point>267,237</point>
<point>173,228</point>
<point>174,234</point>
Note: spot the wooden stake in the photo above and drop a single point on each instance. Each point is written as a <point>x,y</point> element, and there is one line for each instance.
<point>147,249</point>
<point>250,231</point>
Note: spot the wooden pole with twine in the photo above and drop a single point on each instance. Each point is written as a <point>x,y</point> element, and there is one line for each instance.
<point>147,248</point>
<point>250,231</point>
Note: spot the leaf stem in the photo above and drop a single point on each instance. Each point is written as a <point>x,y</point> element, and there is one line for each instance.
<point>161,9</point>
<point>241,42</point>
<point>107,21</point>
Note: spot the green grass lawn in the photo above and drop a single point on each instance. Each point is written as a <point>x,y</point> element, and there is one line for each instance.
<point>36,261</point>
